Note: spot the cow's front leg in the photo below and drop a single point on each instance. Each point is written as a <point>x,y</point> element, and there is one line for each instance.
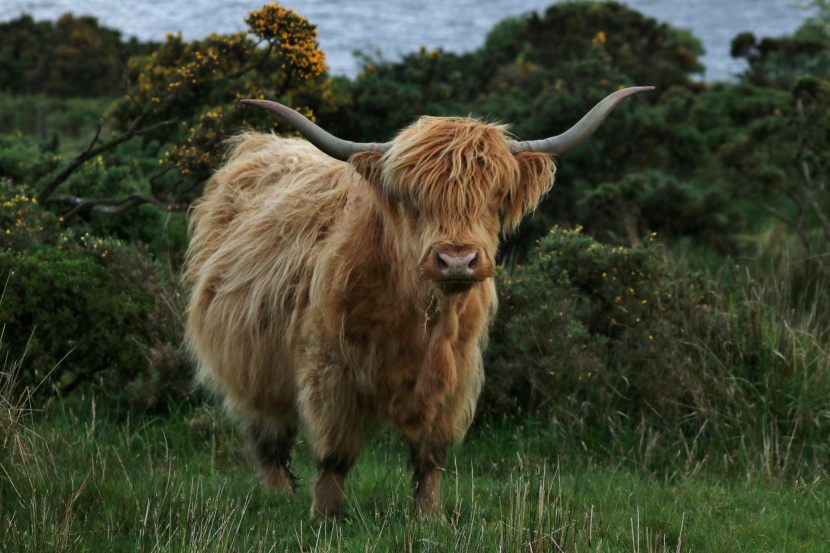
<point>427,460</point>
<point>336,447</point>
<point>329,484</point>
<point>334,413</point>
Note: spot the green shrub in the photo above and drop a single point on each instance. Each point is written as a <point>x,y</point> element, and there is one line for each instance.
<point>22,161</point>
<point>586,329</point>
<point>624,210</point>
<point>93,314</point>
<point>23,224</point>
<point>86,312</point>
<point>73,56</point>
<point>611,341</point>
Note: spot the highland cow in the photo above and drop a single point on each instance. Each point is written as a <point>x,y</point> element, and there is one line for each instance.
<point>336,283</point>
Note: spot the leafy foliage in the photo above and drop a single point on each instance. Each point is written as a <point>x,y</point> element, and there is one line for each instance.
<point>598,338</point>
<point>586,329</point>
<point>59,294</point>
<point>25,224</point>
<point>181,98</point>
<point>85,312</point>
<point>73,56</point>
<point>783,163</point>
<point>93,312</point>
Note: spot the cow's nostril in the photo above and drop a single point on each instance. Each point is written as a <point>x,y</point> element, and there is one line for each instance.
<point>441,263</point>
<point>473,262</point>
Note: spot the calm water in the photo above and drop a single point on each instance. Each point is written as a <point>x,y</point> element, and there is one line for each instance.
<point>397,27</point>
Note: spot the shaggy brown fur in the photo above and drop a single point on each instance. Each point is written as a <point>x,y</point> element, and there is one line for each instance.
<point>314,301</point>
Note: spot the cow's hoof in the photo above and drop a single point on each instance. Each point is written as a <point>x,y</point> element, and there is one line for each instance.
<point>336,514</point>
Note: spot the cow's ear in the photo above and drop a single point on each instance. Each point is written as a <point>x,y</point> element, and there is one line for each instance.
<point>536,179</point>
<point>367,165</point>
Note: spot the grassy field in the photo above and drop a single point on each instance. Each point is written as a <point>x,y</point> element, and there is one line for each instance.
<point>76,479</point>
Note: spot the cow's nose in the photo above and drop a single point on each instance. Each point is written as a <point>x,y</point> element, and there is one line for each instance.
<point>459,266</point>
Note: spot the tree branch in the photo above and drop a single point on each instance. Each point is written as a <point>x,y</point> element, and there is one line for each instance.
<point>92,151</point>
<point>114,206</point>
<point>778,215</point>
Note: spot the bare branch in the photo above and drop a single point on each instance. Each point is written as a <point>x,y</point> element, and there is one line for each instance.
<point>114,206</point>
<point>92,151</point>
<point>154,180</point>
<point>97,134</point>
<point>778,215</point>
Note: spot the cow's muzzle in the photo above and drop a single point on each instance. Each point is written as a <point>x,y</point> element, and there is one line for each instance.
<point>455,266</point>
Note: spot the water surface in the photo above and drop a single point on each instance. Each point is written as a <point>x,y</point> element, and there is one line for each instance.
<point>398,27</point>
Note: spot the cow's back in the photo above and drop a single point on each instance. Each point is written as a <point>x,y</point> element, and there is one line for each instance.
<point>257,232</point>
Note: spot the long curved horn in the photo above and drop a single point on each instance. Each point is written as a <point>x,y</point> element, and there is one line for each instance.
<point>579,133</point>
<point>325,142</point>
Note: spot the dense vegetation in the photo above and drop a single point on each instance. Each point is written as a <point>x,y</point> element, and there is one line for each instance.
<point>665,308</point>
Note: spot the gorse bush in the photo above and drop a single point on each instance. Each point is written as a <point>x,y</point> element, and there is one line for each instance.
<point>23,161</point>
<point>198,84</point>
<point>24,224</point>
<point>93,312</point>
<point>609,340</point>
<point>585,330</point>
<point>60,298</point>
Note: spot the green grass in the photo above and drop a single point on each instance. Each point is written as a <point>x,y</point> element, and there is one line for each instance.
<point>75,479</point>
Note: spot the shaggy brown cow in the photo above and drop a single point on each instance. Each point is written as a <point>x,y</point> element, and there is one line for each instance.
<point>344,283</point>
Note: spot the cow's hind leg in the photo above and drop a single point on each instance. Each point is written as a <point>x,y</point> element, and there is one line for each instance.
<point>271,448</point>
<point>427,460</point>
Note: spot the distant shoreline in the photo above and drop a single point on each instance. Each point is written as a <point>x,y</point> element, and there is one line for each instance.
<point>395,29</point>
